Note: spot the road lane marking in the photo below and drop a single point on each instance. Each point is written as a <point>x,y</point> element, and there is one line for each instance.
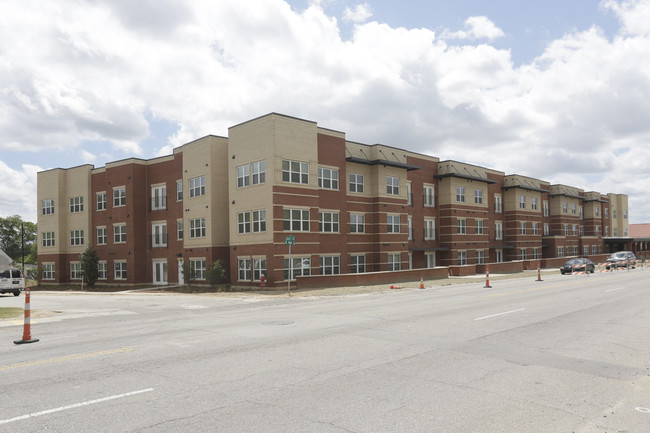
<point>499,314</point>
<point>613,290</point>
<point>66,358</point>
<point>73,406</point>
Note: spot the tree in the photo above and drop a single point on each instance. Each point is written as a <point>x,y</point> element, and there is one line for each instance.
<point>11,241</point>
<point>216,273</point>
<point>89,266</point>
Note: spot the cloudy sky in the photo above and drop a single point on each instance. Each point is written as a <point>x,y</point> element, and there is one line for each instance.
<point>558,90</point>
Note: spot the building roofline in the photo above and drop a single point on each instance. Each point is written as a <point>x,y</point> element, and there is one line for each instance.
<point>273,113</point>
<point>92,167</point>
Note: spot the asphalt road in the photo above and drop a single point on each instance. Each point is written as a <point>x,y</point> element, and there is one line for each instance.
<point>569,354</point>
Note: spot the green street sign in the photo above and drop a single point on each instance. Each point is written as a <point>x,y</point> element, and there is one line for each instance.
<point>290,240</point>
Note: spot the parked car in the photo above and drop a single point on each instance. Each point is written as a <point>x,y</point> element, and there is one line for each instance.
<point>578,265</point>
<point>12,281</point>
<point>621,259</point>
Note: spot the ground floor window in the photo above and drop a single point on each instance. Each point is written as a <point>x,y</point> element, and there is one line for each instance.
<point>102,268</point>
<point>498,256</point>
<point>480,257</point>
<point>75,271</point>
<point>462,258</point>
<point>394,262</point>
<point>594,249</point>
<point>197,268</point>
<point>431,259</point>
<point>522,253</point>
<point>357,263</point>
<point>298,266</point>
<point>330,265</point>
<point>560,251</point>
<point>259,268</point>
<point>120,270</point>
<point>535,253</point>
<point>244,269</point>
<point>48,271</point>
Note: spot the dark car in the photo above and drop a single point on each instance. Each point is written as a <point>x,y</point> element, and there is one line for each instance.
<point>621,259</point>
<point>578,265</point>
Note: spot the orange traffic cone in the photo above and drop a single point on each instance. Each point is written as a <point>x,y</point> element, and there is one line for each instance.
<point>421,283</point>
<point>27,331</point>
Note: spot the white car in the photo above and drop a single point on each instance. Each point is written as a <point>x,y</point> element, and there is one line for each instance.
<point>12,281</point>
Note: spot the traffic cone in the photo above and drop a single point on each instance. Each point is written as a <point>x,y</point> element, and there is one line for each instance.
<point>27,331</point>
<point>421,283</point>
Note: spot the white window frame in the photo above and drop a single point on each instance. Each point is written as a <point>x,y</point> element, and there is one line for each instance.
<point>357,223</point>
<point>119,270</point>
<point>480,257</point>
<point>100,200</point>
<point>77,204</point>
<point>498,203</point>
<point>461,258</point>
<point>159,197</point>
<point>392,223</point>
<point>48,239</point>
<point>357,263</point>
<point>179,230</point>
<point>159,235</point>
<point>47,206</point>
<point>75,270</point>
<point>258,219</point>
<point>394,261</point>
<point>258,172</point>
<point>533,203</point>
<point>119,196</point>
<point>198,268</point>
<point>259,268</point>
<point>478,196</point>
<point>243,222</point>
<point>429,196</point>
<point>102,270</point>
<point>522,227</point>
<point>76,237</point>
<point>356,183</point>
<point>328,178</point>
<point>429,229</point>
<point>48,271</point>
<point>298,266</point>
<point>328,222</point>
<point>330,265</point>
<point>522,202</point>
<point>295,172</point>
<point>479,226</point>
<point>243,175</point>
<point>392,185</point>
<point>461,226</point>
<point>197,186</point>
<point>179,190</point>
<point>460,194</point>
<point>102,235</point>
<point>197,228</point>
<point>295,220</point>
<point>498,230</point>
<point>244,269</point>
<point>119,233</point>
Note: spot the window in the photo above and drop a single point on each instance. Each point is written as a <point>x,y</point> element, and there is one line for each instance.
<point>101,236</point>
<point>573,208</point>
<point>409,224</point>
<point>409,194</point>
<point>357,264</point>
<point>197,186</point>
<point>429,229</point>
<point>580,213</point>
<point>585,250</point>
<point>102,270</point>
<point>295,172</point>
<point>76,204</point>
<point>478,196</point>
<point>297,267</point>
<point>158,197</point>
<point>597,210</point>
<point>296,220</point>
<point>197,228</point>
<point>393,223</point>
<point>575,251</point>
<point>328,222</point>
<point>197,268</point>
<point>597,230</point>
<point>356,183</point>
<point>394,262</point>
<point>498,255</point>
<point>258,170</point>
<point>159,235</point>
<point>392,185</point>
<point>460,193</point>
<point>328,178</point>
<point>48,239</point>
<point>533,203</point>
<point>75,270</point>
<point>582,231</point>
<point>522,202</point>
<point>498,203</point>
<point>120,270</point>
<point>48,271</point>
<point>625,232</point>
<point>429,196</point>
<point>478,227</point>
<point>624,214</point>
<point>76,237</point>
<point>119,233</point>
<point>498,230</point>
<point>594,249</point>
<point>613,213</point>
<point>606,231</point>
<point>243,222</point>
<point>119,196</point>
<point>615,231</point>
<point>566,229</point>
<point>535,253</point>
<point>179,190</point>
<point>522,227</point>
<point>546,230</point>
<point>357,223</point>
<point>259,220</point>
<point>259,268</point>
<point>522,253</point>
<point>47,206</point>
<point>244,269</point>
<point>462,258</point>
<point>179,229</point>
<point>560,251</point>
<point>243,176</point>
<point>574,230</point>
<point>431,260</point>
<point>461,226</point>
<point>535,229</point>
<point>545,205</point>
<point>330,265</point>
<point>565,207</point>
<point>606,212</point>
<point>480,257</point>
<point>101,200</point>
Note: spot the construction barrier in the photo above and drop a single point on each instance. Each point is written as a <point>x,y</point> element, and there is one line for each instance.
<point>487,278</point>
<point>27,328</point>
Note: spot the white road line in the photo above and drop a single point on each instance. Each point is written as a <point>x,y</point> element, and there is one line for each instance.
<point>613,290</point>
<point>73,406</point>
<point>499,314</point>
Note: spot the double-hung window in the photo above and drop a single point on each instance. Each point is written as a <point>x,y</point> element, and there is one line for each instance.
<point>76,237</point>
<point>47,206</point>
<point>429,196</point>
<point>258,172</point>
<point>522,227</point>
<point>101,236</point>
<point>179,190</point>
<point>479,226</point>
<point>295,172</point>
<point>296,220</point>
<point>243,222</point>
<point>244,269</point>
<point>478,196</point>
<point>357,263</point>
<point>461,226</point>
<point>101,200</point>
<point>429,229</point>
<point>328,222</point>
<point>330,265</point>
<point>460,194</point>
<point>394,262</point>
<point>533,203</point>
<point>120,270</point>
<point>197,228</point>
<point>197,186</point>
<point>498,203</point>
<point>119,196</point>
<point>393,223</point>
<point>259,220</point>
<point>392,185</point>
<point>356,183</point>
<point>498,231</point>
<point>76,204</point>
<point>297,267</point>
<point>259,268</point>
<point>357,223</point>
<point>197,268</point>
<point>158,197</point>
<point>462,258</point>
<point>522,202</point>
<point>75,270</point>
<point>328,178</point>
<point>48,239</point>
<point>243,176</point>
<point>119,233</point>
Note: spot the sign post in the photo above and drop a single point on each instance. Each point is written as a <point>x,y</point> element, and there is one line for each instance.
<point>290,240</point>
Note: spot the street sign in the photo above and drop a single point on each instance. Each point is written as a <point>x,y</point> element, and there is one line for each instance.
<point>290,240</point>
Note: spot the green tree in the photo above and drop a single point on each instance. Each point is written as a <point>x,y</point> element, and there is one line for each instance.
<point>89,266</point>
<point>11,241</point>
<point>216,273</point>
<point>188,271</point>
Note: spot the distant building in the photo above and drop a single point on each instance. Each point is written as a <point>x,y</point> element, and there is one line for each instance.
<point>350,207</point>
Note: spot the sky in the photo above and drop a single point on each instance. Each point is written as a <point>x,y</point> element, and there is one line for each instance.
<point>555,90</point>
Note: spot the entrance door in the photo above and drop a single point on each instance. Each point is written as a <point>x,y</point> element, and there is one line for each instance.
<point>181,279</point>
<point>160,272</point>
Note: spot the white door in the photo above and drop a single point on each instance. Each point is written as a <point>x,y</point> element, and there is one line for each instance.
<point>181,279</point>
<point>160,272</point>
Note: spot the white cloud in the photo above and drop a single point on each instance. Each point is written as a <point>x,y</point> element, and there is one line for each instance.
<point>94,71</point>
<point>18,191</point>
<point>358,14</point>
<point>479,27</point>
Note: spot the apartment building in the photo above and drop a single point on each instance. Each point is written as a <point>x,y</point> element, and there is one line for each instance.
<point>344,207</point>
